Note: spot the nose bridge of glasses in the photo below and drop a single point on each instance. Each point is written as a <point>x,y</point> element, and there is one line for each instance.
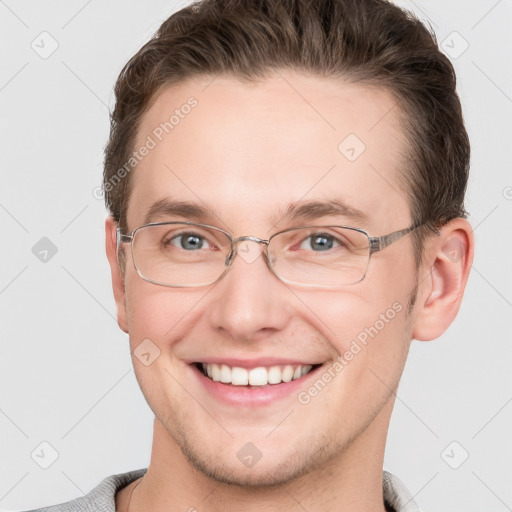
<point>248,252</point>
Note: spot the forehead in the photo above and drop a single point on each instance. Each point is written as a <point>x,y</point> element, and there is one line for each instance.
<point>245,150</point>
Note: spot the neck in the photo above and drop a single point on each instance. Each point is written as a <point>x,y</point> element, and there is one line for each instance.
<point>350,481</point>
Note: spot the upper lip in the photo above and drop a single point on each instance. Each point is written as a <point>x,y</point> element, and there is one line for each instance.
<point>257,362</point>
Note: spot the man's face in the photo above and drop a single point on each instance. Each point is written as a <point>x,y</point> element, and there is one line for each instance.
<point>245,153</point>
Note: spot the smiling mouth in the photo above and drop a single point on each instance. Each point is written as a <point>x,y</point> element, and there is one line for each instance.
<point>259,376</point>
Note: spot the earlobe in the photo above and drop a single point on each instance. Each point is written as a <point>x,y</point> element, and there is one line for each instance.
<point>447,265</point>
<point>116,272</point>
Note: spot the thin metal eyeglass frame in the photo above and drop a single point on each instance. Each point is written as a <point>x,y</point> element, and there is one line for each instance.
<point>375,244</point>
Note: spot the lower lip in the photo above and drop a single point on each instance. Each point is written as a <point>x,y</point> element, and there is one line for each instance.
<point>252,396</point>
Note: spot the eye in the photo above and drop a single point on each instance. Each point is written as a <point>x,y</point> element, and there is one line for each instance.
<point>320,242</point>
<point>187,241</point>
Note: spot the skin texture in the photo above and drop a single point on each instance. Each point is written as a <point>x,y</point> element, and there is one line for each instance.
<point>245,152</point>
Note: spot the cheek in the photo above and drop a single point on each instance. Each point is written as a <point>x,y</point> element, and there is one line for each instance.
<point>372,349</point>
<point>158,318</point>
<point>160,314</point>
<point>362,313</point>
<point>369,329</point>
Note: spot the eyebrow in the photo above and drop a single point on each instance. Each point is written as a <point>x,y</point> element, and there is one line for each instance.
<point>169,208</point>
<point>311,210</point>
<point>296,211</point>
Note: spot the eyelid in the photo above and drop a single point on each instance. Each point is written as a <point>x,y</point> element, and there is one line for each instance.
<point>335,238</point>
<point>326,231</point>
<point>207,235</point>
<point>176,233</point>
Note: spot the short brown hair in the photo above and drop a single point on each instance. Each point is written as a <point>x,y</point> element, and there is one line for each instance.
<point>372,42</point>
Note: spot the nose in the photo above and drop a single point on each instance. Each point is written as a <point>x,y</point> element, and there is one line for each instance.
<point>249,301</point>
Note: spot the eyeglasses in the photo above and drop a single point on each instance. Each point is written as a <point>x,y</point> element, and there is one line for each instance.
<point>186,254</point>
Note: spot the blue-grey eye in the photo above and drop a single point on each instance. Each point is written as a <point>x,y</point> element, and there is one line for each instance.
<point>188,241</point>
<point>319,242</point>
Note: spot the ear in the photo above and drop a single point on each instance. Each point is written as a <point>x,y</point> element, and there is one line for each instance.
<point>117,274</point>
<point>446,266</point>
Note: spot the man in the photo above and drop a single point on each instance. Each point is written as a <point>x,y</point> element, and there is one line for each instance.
<point>285,181</point>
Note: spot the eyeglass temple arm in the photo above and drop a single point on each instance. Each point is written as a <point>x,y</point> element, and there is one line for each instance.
<point>377,243</point>
<point>121,237</point>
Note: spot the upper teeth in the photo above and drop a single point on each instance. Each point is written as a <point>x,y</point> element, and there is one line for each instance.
<point>259,376</point>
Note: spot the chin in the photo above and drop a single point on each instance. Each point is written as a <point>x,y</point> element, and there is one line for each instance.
<point>267,475</point>
<point>271,470</point>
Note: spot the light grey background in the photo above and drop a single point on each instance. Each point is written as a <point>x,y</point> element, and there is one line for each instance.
<point>66,374</point>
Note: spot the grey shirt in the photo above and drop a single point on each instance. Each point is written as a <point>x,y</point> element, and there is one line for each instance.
<point>102,497</point>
